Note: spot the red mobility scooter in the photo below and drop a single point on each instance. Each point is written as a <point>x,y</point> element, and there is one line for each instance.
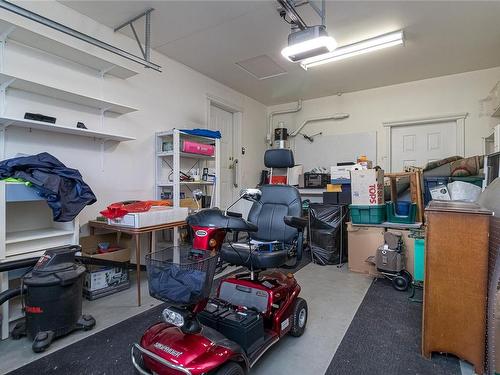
<point>227,335</point>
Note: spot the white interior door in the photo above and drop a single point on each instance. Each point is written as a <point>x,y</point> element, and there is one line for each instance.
<point>223,120</point>
<point>416,145</point>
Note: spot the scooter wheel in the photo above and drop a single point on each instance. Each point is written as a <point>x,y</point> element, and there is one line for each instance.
<point>400,283</point>
<point>299,317</point>
<point>230,368</point>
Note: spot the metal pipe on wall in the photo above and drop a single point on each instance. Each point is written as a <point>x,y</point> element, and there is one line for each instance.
<point>336,116</point>
<point>280,112</point>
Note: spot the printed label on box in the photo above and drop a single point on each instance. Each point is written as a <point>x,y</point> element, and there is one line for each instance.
<point>367,187</point>
<point>104,278</point>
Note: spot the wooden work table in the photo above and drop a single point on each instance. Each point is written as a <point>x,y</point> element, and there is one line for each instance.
<point>136,233</point>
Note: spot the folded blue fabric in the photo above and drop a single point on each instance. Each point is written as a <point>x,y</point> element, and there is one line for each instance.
<point>176,285</point>
<point>203,133</point>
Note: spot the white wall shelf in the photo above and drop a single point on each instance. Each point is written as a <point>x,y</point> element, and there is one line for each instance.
<point>7,81</point>
<point>35,234</point>
<point>34,40</point>
<point>56,128</point>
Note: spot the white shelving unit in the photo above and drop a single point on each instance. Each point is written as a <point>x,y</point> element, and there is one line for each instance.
<point>26,225</point>
<point>169,164</point>
<point>114,67</point>
<point>27,230</point>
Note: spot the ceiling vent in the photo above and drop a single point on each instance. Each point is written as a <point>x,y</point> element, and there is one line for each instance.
<point>261,67</point>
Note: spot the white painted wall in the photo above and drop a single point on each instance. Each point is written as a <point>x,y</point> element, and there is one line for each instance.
<point>368,109</point>
<point>175,98</point>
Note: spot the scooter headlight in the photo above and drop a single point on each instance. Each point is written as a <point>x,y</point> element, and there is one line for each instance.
<point>173,317</point>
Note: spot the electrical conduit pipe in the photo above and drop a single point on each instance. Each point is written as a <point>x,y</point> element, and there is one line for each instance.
<point>280,112</point>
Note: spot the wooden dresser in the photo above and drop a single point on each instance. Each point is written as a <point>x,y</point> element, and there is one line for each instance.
<point>456,281</point>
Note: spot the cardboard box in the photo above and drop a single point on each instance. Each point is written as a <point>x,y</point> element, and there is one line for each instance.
<point>409,244</point>
<point>124,241</point>
<point>100,281</point>
<point>104,278</point>
<point>365,164</point>
<point>189,203</point>
<point>367,187</point>
<point>155,216</point>
<point>340,174</point>
<point>363,243</point>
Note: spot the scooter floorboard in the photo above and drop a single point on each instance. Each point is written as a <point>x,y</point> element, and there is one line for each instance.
<point>261,346</point>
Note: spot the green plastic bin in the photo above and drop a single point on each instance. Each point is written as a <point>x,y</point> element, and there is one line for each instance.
<point>392,217</point>
<point>361,214</point>
<point>419,259</point>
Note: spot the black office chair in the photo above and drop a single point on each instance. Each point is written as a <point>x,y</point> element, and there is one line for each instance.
<point>278,217</point>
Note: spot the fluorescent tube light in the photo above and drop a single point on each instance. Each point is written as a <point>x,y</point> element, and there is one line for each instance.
<point>358,48</point>
<point>311,42</point>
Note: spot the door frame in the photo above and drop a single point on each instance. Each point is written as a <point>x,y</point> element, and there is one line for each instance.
<point>459,119</point>
<point>237,112</point>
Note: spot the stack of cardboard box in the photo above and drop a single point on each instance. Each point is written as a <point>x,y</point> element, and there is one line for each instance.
<point>101,281</point>
<point>367,186</point>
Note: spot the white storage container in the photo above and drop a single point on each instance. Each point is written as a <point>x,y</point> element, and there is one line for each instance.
<point>155,216</point>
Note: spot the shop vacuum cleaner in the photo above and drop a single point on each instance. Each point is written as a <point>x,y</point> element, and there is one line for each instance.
<point>52,298</point>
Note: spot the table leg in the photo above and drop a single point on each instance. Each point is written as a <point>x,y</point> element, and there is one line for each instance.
<point>152,243</point>
<point>176,236</point>
<point>177,252</point>
<point>138,266</point>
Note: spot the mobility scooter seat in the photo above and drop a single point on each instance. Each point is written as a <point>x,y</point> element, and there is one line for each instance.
<point>239,255</point>
<point>277,215</point>
<point>218,219</point>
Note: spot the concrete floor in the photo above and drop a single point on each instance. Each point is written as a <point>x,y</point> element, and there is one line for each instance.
<point>333,296</point>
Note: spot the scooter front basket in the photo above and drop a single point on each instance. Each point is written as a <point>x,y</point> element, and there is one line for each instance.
<point>180,275</point>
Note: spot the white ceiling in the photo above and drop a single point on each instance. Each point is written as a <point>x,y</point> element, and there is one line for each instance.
<point>211,36</point>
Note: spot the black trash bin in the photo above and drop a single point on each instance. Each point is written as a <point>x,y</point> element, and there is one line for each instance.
<point>328,233</point>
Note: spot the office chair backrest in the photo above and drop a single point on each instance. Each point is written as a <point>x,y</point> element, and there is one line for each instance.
<point>281,159</point>
<point>276,202</point>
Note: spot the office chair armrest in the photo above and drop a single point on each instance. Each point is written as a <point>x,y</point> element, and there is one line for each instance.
<point>295,222</point>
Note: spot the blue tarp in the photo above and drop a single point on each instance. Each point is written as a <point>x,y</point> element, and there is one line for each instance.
<point>203,133</point>
<point>63,188</point>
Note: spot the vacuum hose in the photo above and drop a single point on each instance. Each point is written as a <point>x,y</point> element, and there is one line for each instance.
<point>16,264</point>
<point>10,293</point>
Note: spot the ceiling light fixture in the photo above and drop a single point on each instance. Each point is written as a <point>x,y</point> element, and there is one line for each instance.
<point>305,41</point>
<point>309,43</point>
<point>368,45</point>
